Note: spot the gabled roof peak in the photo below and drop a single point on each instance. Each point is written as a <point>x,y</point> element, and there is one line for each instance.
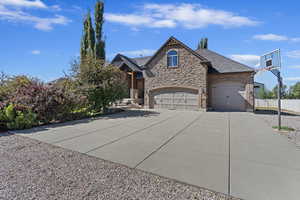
<point>174,41</point>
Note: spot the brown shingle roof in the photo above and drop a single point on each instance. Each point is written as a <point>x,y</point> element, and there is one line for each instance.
<point>221,64</point>
<point>217,63</point>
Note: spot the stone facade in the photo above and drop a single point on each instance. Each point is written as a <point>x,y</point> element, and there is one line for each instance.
<point>191,73</point>
<point>190,83</point>
<point>246,78</point>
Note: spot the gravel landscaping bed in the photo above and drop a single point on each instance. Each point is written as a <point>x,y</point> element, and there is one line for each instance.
<point>31,169</point>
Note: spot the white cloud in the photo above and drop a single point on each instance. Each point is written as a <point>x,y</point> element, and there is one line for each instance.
<point>293,54</point>
<point>15,14</point>
<point>128,19</point>
<point>292,78</point>
<point>46,24</point>
<point>141,52</point>
<point>271,37</point>
<point>23,3</point>
<point>248,59</point>
<point>295,39</point>
<point>35,52</point>
<point>274,37</point>
<point>189,16</point>
<point>295,67</point>
<point>137,20</point>
<point>164,23</point>
<point>56,7</point>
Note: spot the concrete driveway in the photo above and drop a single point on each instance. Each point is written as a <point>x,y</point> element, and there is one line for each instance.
<point>225,152</point>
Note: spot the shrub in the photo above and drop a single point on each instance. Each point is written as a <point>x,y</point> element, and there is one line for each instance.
<point>16,119</point>
<point>3,119</point>
<point>51,102</point>
<point>26,102</point>
<point>23,120</point>
<point>9,85</point>
<point>10,112</point>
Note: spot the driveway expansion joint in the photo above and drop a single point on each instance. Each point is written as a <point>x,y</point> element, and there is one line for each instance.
<point>166,142</point>
<point>130,134</point>
<point>87,133</point>
<point>229,157</point>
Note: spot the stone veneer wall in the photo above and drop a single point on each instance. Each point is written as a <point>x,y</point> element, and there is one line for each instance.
<point>190,73</point>
<point>246,78</point>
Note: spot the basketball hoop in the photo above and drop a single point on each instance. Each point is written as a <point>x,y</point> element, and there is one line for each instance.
<point>272,62</point>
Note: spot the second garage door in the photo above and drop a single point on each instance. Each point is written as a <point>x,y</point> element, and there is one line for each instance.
<point>228,96</point>
<point>184,99</point>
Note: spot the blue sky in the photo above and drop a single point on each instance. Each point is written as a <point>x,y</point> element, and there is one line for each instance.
<point>40,37</point>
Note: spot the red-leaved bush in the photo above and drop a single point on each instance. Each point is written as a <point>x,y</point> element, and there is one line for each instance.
<point>49,101</point>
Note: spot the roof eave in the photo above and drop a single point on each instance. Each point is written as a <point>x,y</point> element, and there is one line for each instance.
<point>232,72</point>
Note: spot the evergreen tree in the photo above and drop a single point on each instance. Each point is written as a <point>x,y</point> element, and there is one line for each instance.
<point>88,39</point>
<point>100,44</point>
<point>203,44</point>
<point>84,43</point>
<point>90,36</point>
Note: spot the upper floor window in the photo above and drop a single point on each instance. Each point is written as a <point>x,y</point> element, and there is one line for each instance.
<point>172,58</point>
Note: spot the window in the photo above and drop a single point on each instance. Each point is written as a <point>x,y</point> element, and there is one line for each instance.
<point>172,58</point>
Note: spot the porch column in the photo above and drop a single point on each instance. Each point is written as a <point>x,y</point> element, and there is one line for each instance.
<point>133,90</point>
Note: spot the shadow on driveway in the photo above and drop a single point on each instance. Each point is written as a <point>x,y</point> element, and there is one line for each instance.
<point>274,112</point>
<point>118,115</point>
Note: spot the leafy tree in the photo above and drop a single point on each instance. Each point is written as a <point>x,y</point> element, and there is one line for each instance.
<point>102,85</point>
<point>3,78</point>
<point>262,93</point>
<point>284,91</point>
<point>295,91</point>
<point>9,85</point>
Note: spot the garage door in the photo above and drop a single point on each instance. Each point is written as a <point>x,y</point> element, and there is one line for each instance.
<point>184,99</point>
<point>228,96</point>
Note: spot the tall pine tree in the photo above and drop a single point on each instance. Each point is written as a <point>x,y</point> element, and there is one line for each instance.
<point>92,43</point>
<point>87,50</point>
<point>203,44</point>
<point>100,44</point>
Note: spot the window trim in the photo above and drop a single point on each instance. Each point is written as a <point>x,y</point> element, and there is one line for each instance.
<point>173,66</point>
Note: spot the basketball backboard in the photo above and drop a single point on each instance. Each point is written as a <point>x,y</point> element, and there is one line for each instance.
<point>271,62</point>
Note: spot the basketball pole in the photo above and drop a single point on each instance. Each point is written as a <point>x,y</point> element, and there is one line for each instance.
<point>279,93</point>
<point>268,65</point>
<point>279,101</point>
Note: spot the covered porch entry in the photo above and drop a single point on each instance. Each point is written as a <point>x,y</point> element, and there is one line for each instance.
<point>135,87</point>
<point>134,76</point>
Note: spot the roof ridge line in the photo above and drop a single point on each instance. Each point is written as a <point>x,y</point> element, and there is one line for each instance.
<point>129,59</point>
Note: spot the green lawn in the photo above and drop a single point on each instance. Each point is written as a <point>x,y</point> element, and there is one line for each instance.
<point>284,128</point>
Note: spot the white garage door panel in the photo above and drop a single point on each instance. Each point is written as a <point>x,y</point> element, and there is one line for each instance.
<point>176,99</point>
<point>228,96</point>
